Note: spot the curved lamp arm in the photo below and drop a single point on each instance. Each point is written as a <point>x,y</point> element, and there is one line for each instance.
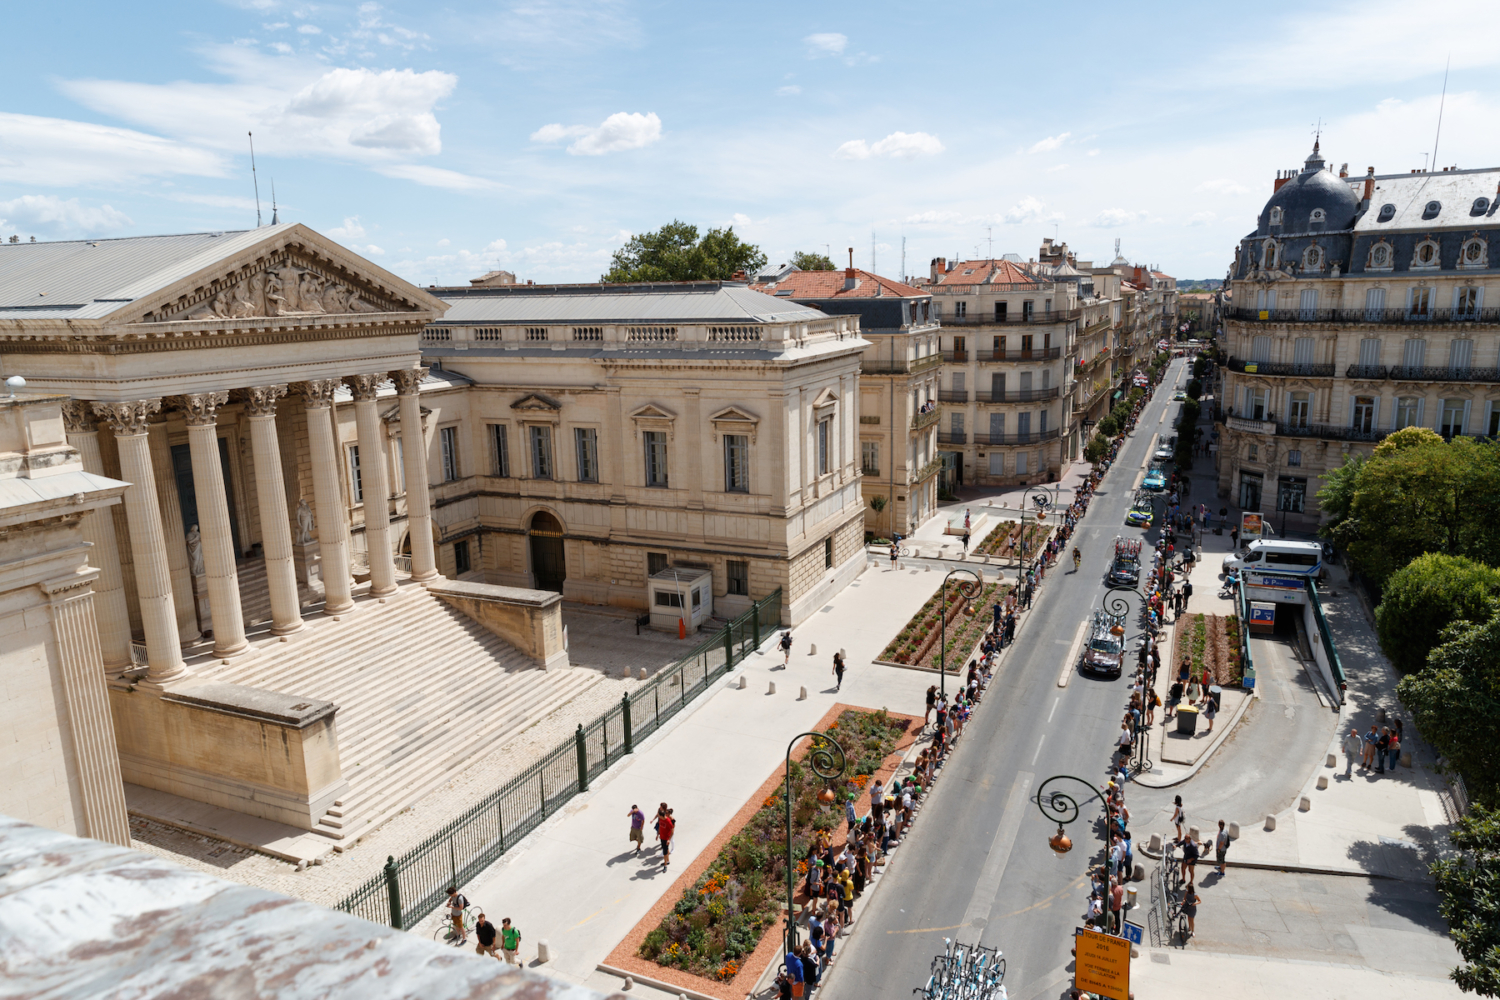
<point>1058,806</point>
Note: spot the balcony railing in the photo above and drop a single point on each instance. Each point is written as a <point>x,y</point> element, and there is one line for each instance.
<point>1400,316</point>
<point>955,356</point>
<point>1040,354</point>
<point>1018,396</point>
<point>884,366</point>
<point>1280,368</point>
<point>1249,426</point>
<point>1012,319</point>
<point>1374,372</point>
<point>952,437</point>
<point>953,395</point>
<point>926,419</point>
<point>1003,439</point>
<point>1329,432</point>
<point>1404,373</point>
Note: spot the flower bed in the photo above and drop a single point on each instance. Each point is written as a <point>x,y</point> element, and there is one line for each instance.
<point>918,643</point>
<point>1210,641</point>
<point>721,917</point>
<point>1005,540</point>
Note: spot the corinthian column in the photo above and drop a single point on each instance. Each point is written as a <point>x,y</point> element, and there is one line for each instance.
<point>202,409</point>
<point>375,483</point>
<point>414,458</point>
<point>270,492</point>
<point>153,576</point>
<point>99,531</point>
<point>175,533</point>
<point>318,397</point>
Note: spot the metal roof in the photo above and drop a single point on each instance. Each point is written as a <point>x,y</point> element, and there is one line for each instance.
<point>687,302</point>
<point>87,279</point>
<point>1454,190</point>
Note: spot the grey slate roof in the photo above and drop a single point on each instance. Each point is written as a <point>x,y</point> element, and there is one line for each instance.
<point>87,279</point>
<point>684,302</point>
<point>1455,191</point>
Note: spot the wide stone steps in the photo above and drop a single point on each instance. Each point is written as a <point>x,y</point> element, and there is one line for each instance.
<point>422,691</point>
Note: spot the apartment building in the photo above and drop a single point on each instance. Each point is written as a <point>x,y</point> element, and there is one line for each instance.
<point>1355,308</point>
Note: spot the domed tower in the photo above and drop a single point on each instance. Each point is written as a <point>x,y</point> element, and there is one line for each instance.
<point>1315,200</point>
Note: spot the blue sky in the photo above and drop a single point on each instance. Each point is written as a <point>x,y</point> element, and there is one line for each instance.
<point>445,140</point>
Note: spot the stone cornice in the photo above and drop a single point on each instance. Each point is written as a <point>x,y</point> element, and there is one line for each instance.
<point>66,337</point>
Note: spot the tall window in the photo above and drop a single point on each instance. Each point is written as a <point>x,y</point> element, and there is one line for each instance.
<point>1302,352</point>
<point>957,423</point>
<point>737,575</point>
<point>1041,421</point>
<point>1369,352</point>
<point>824,428</point>
<point>1408,411</point>
<point>1461,354</point>
<point>1364,414</point>
<point>356,481</point>
<point>586,443</point>
<point>1260,349</point>
<point>1309,304</point>
<point>1256,403</point>
<point>1028,309</point>
<point>1000,308</point>
<point>499,451</point>
<point>1023,427</point>
<point>655,562</point>
<point>1374,303</point>
<point>1466,302</point>
<point>461,563</point>
<point>828,552</point>
<point>736,463</point>
<point>656,458</point>
<point>1453,418</point>
<point>960,309</point>
<point>1300,403</point>
<point>1026,340</point>
<point>541,452</point>
<point>1415,353</point>
<point>448,437</point>
<point>869,458</point>
<point>1421,302</point>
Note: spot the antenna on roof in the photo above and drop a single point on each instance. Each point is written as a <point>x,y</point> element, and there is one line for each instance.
<point>991,240</point>
<point>903,260</point>
<point>253,179</point>
<point>275,219</point>
<point>1441,101</point>
<point>873,268</point>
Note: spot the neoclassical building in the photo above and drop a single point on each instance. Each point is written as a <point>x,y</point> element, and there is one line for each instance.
<point>1356,307</point>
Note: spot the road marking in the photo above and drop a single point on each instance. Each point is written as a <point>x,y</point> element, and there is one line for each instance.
<point>1038,749</point>
<point>1067,670</point>
<point>1138,477</point>
<point>929,930</point>
<point>987,886</point>
<point>1054,709</point>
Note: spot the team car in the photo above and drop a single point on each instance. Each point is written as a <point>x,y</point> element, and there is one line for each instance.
<point>1125,569</point>
<point>1141,513</point>
<point>1179,396</point>
<point>1105,652</point>
<point>1156,478</point>
<point>1163,453</point>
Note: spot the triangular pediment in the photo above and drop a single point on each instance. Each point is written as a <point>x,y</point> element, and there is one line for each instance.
<point>536,401</point>
<point>652,412</point>
<point>734,413</point>
<point>826,398</point>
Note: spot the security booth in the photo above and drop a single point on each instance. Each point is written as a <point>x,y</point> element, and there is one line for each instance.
<point>680,592</point>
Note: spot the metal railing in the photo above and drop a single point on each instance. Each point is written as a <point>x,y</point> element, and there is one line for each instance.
<point>1013,319</point>
<point>1018,396</point>
<point>1335,667</point>
<point>1039,354</point>
<point>899,366</point>
<point>952,437</point>
<point>1407,373</point>
<point>1398,316</point>
<point>1280,368</point>
<point>1367,372</point>
<point>953,356</point>
<point>412,886</point>
<point>953,395</point>
<point>1002,439</point>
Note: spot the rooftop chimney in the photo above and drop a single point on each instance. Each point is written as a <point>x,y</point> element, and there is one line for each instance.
<point>850,281</point>
<point>1369,183</point>
<point>939,265</point>
<point>1282,176</point>
<point>1344,170</point>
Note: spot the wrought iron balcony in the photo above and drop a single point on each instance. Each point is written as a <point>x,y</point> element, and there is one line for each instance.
<point>1280,368</point>
<point>1397,316</point>
<point>1373,372</point>
<point>1017,396</point>
<point>952,437</point>
<point>955,356</point>
<point>1327,432</point>
<point>1014,319</point>
<point>1404,373</point>
<point>953,395</point>
<point>1040,354</point>
<point>1007,439</point>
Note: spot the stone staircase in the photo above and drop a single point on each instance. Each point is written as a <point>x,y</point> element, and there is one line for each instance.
<point>422,690</point>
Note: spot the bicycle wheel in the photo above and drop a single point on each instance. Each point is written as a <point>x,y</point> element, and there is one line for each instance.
<point>999,970</point>
<point>1182,928</point>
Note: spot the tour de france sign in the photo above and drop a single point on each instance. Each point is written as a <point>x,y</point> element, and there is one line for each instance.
<point>1102,965</point>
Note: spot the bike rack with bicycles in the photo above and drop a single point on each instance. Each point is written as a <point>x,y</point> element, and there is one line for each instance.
<point>965,972</point>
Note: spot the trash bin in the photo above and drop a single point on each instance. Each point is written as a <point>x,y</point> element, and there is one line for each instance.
<point>1217,694</point>
<point>1187,720</point>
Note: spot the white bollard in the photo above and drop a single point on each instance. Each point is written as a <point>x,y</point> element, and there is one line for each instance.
<point>802,694</point>
<point>743,682</point>
<point>1234,831</point>
<point>1154,846</point>
<point>843,653</point>
<point>1331,760</point>
<point>627,984</point>
<point>625,673</point>
<point>543,953</point>
<point>1130,898</point>
<point>812,649</point>
<point>927,568</point>
<point>1194,834</point>
<point>1322,782</point>
<point>1305,804</point>
<point>772,688</point>
<point>1270,822</point>
<point>642,674</point>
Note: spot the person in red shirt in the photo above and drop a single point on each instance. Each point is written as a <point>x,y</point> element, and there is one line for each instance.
<point>665,827</point>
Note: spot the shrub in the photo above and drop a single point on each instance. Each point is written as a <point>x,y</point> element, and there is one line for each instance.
<point>1426,596</point>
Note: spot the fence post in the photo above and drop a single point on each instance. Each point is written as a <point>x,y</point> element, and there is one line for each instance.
<point>625,714</point>
<point>755,621</point>
<point>583,759</point>
<point>393,890</point>
<point>729,647</point>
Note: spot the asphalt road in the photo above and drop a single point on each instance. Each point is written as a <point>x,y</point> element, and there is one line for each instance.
<point>977,862</point>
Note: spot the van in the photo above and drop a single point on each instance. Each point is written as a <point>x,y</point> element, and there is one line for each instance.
<point>1304,559</point>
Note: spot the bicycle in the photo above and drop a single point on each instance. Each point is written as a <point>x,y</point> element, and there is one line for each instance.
<point>443,933</point>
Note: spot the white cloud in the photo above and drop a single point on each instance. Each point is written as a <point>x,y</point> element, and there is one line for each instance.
<point>350,230</point>
<point>791,90</point>
<point>437,177</point>
<point>829,43</point>
<point>1093,152</point>
<point>58,152</point>
<point>1050,143</point>
<point>372,250</point>
<point>282,47</point>
<point>54,216</point>
<point>1221,185</point>
<point>443,242</point>
<point>1028,209</point>
<point>295,107</point>
<point>1111,217</point>
<point>897,145</point>
<point>620,131</point>
<point>1201,218</point>
<point>1056,167</point>
<point>309,29</point>
<point>528,33</point>
<point>277,26</point>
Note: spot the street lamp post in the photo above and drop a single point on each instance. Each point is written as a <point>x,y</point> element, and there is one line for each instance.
<point>968,589</point>
<point>1061,808</point>
<point>826,758</point>
<point>1117,606</point>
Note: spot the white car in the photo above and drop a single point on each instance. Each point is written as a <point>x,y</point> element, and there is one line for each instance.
<point>1163,454</point>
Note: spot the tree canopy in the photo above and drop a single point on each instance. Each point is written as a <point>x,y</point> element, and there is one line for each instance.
<point>1423,597</point>
<point>675,252</point>
<point>1470,890</point>
<point>1416,494</point>
<point>811,262</point>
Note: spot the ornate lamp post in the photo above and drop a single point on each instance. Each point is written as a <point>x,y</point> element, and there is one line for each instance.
<point>1117,606</point>
<point>1061,808</point>
<point>969,589</point>
<point>826,758</point>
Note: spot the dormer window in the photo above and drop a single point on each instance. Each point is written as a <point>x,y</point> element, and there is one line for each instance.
<point>1381,256</point>
<point>1312,259</point>
<point>1432,210</point>
<point>1318,215</point>
<point>1480,206</point>
<point>1426,254</point>
<point>1268,255</point>
<point>1275,215</point>
<point>1475,253</point>
<point>1387,213</point>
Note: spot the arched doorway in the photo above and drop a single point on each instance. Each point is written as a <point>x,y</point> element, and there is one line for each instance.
<point>548,567</point>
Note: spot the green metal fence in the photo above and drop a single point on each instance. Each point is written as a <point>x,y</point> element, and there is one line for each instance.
<point>415,884</point>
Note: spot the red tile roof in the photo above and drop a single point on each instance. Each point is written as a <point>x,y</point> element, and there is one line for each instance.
<point>830,285</point>
<point>986,272</point>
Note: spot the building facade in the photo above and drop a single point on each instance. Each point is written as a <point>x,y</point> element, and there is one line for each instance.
<point>1355,308</point>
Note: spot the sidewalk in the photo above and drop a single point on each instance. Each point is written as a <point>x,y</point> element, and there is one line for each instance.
<point>1175,974</point>
<point>576,884</point>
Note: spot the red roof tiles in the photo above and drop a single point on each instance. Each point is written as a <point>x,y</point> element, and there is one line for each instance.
<point>830,285</point>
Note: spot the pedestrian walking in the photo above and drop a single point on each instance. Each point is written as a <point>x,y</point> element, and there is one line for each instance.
<point>1371,738</point>
<point>1178,817</point>
<point>457,904</point>
<point>1382,745</point>
<point>637,827</point>
<point>661,811</point>
<point>895,553</point>
<point>1353,747</point>
<point>786,648</point>
<point>1190,901</point>
<point>1221,846</point>
<point>1210,711</point>
<point>838,670</point>
<point>484,932</point>
<point>1190,855</point>
<point>510,941</point>
<point>666,826</point>
<point>966,538</point>
<point>852,818</point>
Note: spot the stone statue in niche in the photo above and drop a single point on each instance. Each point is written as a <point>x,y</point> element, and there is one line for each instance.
<point>305,523</point>
<point>195,551</point>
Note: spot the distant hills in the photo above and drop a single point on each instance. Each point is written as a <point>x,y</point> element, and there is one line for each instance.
<point>1199,284</point>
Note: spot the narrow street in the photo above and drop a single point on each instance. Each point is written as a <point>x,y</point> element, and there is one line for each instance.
<point>978,862</point>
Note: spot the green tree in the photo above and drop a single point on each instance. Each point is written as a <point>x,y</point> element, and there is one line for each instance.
<point>1470,889</point>
<point>1096,449</point>
<point>1423,597</point>
<point>1455,702</point>
<point>1187,434</point>
<point>676,253</point>
<point>1337,498</point>
<point>1195,388</point>
<point>811,262</point>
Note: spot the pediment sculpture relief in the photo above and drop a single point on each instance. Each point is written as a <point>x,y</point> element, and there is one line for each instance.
<point>286,288</point>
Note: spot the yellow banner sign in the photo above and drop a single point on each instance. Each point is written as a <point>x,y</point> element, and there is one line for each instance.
<point>1103,964</point>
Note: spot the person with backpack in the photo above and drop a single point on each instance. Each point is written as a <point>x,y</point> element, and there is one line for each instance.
<point>838,671</point>
<point>510,941</point>
<point>786,648</point>
<point>665,827</point>
<point>457,904</point>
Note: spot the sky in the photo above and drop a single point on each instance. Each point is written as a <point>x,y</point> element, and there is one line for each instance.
<point>445,140</point>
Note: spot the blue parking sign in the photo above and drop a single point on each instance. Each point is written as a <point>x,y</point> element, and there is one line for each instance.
<point>1133,932</point>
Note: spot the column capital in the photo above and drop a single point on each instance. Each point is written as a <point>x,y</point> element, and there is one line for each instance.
<point>318,392</point>
<point>78,418</point>
<point>407,380</point>
<point>127,419</point>
<point>202,408</point>
<point>365,387</point>
<point>260,400</point>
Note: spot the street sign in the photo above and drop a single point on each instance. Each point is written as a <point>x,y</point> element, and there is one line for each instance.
<point>1102,964</point>
<point>1133,932</point>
